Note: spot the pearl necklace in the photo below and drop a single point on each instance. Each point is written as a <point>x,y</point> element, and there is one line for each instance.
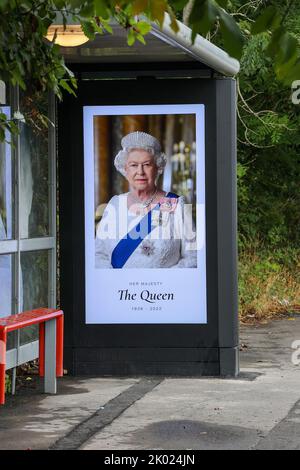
<point>146,203</point>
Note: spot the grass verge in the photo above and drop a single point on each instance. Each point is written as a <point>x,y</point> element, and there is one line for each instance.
<point>269,283</point>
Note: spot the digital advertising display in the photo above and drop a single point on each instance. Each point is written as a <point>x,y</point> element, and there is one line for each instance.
<point>144,187</point>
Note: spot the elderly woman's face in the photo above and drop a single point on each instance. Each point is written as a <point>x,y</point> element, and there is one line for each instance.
<point>141,170</point>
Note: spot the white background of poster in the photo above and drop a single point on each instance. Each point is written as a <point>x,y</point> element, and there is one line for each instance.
<point>103,304</point>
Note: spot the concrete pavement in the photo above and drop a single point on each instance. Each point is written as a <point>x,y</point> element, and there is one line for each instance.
<point>260,409</point>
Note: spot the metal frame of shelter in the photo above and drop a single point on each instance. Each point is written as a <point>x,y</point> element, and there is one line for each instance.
<point>17,245</point>
<point>171,60</point>
<point>166,56</point>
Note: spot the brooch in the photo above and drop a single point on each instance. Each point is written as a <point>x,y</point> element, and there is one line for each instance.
<point>168,204</point>
<point>147,248</point>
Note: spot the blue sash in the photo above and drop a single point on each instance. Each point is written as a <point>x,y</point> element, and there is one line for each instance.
<point>128,244</point>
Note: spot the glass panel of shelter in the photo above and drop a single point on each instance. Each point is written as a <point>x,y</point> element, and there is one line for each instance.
<point>26,278</point>
<point>34,168</point>
<point>34,287</point>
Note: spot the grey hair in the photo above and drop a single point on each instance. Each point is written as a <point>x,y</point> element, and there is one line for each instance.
<point>140,140</point>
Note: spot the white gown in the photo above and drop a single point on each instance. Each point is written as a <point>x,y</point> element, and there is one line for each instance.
<point>167,246</point>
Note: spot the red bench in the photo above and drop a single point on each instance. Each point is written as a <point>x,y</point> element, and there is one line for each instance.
<point>50,323</point>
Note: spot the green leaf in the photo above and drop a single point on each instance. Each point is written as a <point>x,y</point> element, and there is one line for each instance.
<point>174,24</point>
<point>275,41</point>
<point>47,22</point>
<point>65,85</point>
<point>203,16</point>
<point>132,21</point>
<point>143,27</point>
<point>13,127</point>
<point>269,19</point>
<point>98,28</point>
<point>158,9</point>
<point>288,50</point>
<point>87,11</point>
<point>88,29</point>
<point>2,134</point>
<point>107,27</point>
<point>178,5</point>
<point>101,9</point>
<point>222,3</point>
<point>140,38</point>
<point>74,3</point>
<point>283,48</point>
<point>232,35</point>
<point>139,6</point>
<point>3,4</point>
<point>290,75</point>
<point>130,37</point>
<point>61,3</point>
<point>68,71</point>
<point>198,11</point>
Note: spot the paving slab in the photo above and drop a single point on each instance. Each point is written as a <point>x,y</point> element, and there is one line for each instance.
<point>258,410</point>
<point>32,420</point>
<point>219,413</point>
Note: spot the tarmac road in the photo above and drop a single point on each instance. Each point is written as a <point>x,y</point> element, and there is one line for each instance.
<point>258,410</point>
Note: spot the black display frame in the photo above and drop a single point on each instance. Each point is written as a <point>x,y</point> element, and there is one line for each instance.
<point>148,349</point>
